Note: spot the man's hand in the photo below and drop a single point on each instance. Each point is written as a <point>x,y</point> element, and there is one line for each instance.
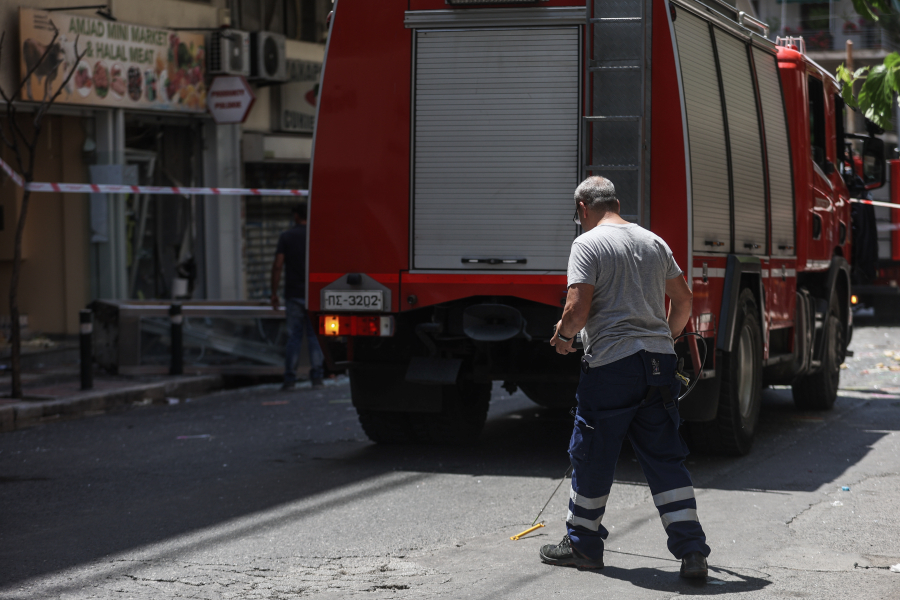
<point>561,346</point>
<point>575,316</point>
<point>276,303</point>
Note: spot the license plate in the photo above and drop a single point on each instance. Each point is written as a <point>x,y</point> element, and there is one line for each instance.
<point>353,300</point>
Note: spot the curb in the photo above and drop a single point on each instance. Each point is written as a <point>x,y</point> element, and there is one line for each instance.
<point>28,414</point>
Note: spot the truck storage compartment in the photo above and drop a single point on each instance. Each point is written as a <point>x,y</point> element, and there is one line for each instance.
<point>778,149</point>
<point>747,172</point>
<point>496,148</point>
<point>706,135</point>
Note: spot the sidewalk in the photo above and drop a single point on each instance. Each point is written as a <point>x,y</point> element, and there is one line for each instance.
<point>56,394</point>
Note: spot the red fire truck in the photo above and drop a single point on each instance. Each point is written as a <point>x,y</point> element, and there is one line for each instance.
<point>451,135</point>
<point>875,276</point>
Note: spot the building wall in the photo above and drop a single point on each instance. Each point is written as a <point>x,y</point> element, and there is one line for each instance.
<point>55,274</point>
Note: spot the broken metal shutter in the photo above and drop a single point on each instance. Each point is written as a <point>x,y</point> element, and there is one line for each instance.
<point>706,135</point>
<point>778,149</point>
<point>747,172</point>
<point>496,147</point>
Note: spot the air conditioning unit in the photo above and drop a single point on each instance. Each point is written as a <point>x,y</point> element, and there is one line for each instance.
<point>267,57</point>
<point>229,53</point>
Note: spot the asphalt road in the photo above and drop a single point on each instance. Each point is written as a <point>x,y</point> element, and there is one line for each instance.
<point>260,494</point>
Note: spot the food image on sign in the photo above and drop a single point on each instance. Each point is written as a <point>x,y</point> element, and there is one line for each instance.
<point>101,79</point>
<point>124,65</point>
<point>135,85</point>
<point>84,80</point>
<point>118,83</point>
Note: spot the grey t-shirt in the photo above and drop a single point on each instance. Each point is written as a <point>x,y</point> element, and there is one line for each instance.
<point>628,267</point>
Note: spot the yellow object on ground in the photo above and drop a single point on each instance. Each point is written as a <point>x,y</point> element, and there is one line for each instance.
<point>526,532</point>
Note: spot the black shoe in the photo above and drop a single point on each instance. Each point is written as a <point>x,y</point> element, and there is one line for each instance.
<point>317,384</point>
<point>693,566</point>
<point>565,555</point>
<point>287,386</point>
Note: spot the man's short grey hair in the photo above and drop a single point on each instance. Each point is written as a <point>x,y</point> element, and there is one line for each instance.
<point>597,193</point>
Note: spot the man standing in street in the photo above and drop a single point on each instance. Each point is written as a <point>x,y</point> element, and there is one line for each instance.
<point>291,256</point>
<point>618,276</point>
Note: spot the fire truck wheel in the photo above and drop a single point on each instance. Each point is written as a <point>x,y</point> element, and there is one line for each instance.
<point>462,418</point>
<point>731,432</point>
<point>551,394</point>
<point>819,390</point>
<point>387,427</point>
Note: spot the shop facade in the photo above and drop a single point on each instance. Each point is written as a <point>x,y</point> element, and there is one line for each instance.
<point>134,113</point>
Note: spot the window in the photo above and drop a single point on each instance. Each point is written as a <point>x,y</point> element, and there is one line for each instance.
<point>840,116</point>
<point>817,121</point>
<point>295,19</point>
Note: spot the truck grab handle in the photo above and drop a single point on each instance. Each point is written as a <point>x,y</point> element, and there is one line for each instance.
<point>745,19</point>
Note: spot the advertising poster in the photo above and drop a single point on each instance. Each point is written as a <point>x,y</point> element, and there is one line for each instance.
<point>124,66</point>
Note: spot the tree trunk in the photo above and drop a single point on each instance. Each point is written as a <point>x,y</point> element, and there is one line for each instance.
<point>15,329</point>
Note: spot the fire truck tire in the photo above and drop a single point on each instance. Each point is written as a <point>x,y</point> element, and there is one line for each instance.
<point>819,390</point>
<point>732,431</point>
<point>551,394</point>
<point>462,417</point>
<point>387,427</point>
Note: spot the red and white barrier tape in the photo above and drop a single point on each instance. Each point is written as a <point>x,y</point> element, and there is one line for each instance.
<point>104,188</point>
<point>875,203</point>
<point>17,179</point>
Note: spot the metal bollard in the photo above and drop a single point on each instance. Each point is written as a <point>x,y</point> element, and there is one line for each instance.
<point>177,366</point>
<point>86,318</point>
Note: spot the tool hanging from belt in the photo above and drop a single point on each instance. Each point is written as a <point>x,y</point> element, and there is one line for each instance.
<point>680,375</point>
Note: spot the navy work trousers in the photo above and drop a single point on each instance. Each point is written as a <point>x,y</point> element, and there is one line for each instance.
<point>613,403</point>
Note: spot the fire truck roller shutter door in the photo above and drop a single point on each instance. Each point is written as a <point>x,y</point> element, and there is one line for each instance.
<point>706,135</point>
<point>747,171</point>
<point>496,147</point>
<point>778,149</point>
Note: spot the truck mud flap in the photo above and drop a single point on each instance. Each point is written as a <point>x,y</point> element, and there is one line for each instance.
<point>737,267</point>
<point>433,371</point>
<point>702,404</point>
<point>383,386</point>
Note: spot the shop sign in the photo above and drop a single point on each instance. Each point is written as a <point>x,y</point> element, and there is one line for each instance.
<point>230,99</point>
<point>124,66</point>
<point>295,101</point>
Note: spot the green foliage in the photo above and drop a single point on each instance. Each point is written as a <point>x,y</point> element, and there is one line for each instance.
<point>876,94</point>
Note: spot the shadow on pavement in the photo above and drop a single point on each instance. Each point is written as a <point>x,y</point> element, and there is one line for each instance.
<point>721,581</point>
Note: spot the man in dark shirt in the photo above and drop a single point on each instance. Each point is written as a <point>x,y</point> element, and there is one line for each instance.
<point>291,255</point>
